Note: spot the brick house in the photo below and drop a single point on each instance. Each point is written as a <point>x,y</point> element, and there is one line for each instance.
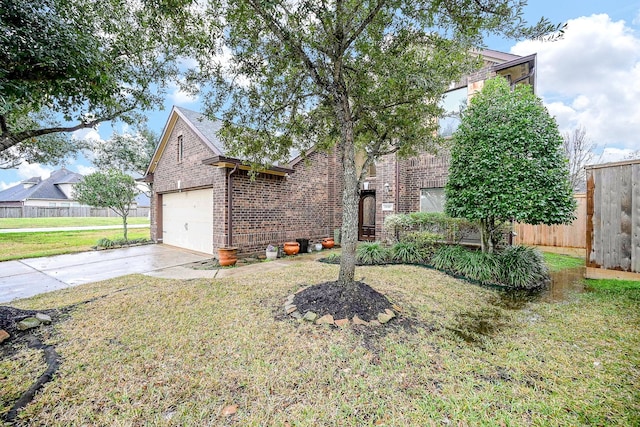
<point>200,195</point>
<point>203,199</point>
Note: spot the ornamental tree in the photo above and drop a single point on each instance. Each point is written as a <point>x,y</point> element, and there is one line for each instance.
<point>361,76</point>
<point>507,163</point>
<point>112,189</point>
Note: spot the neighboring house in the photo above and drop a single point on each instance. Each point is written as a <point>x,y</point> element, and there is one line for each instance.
<point>55,191</point>
<point>202,199</point>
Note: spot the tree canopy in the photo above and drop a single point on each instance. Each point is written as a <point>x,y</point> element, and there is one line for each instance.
<point>507,162</point>
<point>361,76</point>
<point>111,189</point>
<point>72,64</point>
<point>127,152</point>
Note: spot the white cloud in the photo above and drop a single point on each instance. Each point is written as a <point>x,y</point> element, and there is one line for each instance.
<point>590,78</point>
<point>86,134</point>
<point>5,185</point>
<point>85,170</point>
<point>181,97</point>
<point>28,170</point>
<point>613,154</point>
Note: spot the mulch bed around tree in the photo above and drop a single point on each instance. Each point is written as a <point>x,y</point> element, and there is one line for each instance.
<point>10,316</point>
<point>340,302</point>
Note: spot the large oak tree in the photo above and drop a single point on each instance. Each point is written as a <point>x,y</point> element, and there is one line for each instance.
<point>363,76</point>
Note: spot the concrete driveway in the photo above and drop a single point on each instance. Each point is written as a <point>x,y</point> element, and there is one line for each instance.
<point>33,276</point>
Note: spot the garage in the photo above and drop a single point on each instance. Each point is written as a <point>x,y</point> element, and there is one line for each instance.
<point>187,220</point>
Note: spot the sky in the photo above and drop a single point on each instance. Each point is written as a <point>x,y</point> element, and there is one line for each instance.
<point>589,78</point>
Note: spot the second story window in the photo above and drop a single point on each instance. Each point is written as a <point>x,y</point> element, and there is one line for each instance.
<point>180,148</point>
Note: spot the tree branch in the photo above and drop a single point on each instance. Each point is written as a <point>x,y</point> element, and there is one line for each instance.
<point>9,139</point>
<point>364,24</point>
<point>288,40</point>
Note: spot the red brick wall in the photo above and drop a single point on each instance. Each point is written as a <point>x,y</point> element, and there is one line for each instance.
<point>415,173</point>
<point>268,210</point>
<point>190,171</point>
<point>273,209</point>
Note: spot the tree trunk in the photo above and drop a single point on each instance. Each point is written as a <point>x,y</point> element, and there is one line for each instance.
<point>349,195</point>
<point>487,240</point>
<point>124,224</point>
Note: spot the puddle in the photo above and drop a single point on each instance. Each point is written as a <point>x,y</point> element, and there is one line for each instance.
<point>563,285</point>
<point>471,327</point>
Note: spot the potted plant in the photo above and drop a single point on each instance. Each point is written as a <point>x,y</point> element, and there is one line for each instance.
<point>272,252</point>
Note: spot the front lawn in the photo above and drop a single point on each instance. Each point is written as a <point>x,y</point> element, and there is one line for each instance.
<point>32,245</point>
<point>148,351</point>
<point>67,222</point>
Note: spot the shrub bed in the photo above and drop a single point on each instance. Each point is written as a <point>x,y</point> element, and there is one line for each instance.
<point>517,267</point>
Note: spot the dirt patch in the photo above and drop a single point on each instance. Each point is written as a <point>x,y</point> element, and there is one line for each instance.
<point>342,302</point>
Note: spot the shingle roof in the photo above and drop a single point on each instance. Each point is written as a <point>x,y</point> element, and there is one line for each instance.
<point>43,189</point>
<point>207,128</point>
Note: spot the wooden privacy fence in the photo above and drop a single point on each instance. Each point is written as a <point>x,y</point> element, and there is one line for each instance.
<point>613,220</point>
<point>74,211</point>
<point>561,236</point>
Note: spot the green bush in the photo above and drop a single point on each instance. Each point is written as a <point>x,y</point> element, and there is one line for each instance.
<point>515,267</point>
<point>372,254</point>
<point>452,230</point>
<point>479,266</point>
<point>426,242</point>
<point>105,243</point>
<point>407,252</point>
<point>522,267</point>
<point>331,259</point>
<point>446,257</point>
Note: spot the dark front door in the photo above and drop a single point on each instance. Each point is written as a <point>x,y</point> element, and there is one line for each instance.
<point>367,216</point>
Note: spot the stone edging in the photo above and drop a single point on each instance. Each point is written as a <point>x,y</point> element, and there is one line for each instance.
<point>291,310</point>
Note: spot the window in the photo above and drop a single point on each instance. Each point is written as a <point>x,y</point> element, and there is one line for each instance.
<point>52,204</point>
<point>454,102</point>
<point>432,199</point>
<point>371,172</point>
<point>65,204</point>
<point>180,148</point>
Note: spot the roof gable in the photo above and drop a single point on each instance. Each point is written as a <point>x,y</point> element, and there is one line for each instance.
<point>42,188</point>
<point>204,128</point>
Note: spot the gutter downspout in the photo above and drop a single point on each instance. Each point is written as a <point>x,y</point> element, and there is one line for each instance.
<point>230,205</point>
<point>397,185</point>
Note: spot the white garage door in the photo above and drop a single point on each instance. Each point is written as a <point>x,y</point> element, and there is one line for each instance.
<point>187,220</point>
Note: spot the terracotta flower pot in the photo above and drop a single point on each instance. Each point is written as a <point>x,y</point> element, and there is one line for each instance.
<point>227,256</point>
<point>328,242</point>
<point>291,248</point>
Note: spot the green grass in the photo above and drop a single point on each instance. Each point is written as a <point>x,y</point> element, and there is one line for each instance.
<point>613,285</point>
<point>557,262</point>
<point>33,245</point>
<point>67,222</point>
<point>170,352</point>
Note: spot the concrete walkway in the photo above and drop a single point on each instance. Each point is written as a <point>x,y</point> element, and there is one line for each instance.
<point>28,277</point>
<point>33,276</point>
<point>91,227</point>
